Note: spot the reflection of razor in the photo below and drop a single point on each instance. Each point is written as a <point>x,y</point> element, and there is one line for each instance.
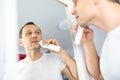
<point>50,46</point>
<point>78,35</point>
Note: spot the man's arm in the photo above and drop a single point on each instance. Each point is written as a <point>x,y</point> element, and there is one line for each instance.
<point>67,73</point>
<point>71,68</point>
<point>92,59</point>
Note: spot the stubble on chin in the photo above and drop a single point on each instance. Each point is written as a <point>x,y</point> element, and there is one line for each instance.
<point>83,25</point>
<point>35,47</point>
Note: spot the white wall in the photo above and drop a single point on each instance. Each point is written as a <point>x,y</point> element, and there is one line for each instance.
<point>8,30</point>
<point>2,50</point>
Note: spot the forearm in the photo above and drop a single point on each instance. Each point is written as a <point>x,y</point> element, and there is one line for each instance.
<point>70,63</point>
<point>92,60</point>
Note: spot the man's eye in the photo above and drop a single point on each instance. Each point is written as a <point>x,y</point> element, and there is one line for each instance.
<point>37,32</point>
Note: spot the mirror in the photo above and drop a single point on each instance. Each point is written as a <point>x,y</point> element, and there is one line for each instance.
<point>47,14</point>
<point>50,16</point>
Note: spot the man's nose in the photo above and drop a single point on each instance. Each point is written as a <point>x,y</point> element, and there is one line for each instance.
<point>73,11</point>
<point>34,35</point>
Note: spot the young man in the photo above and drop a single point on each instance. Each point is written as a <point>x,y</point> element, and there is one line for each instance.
<point>104,14</point>
<point>41,66</point>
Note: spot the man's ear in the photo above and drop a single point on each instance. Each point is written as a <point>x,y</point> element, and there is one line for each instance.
<point>20,42</point>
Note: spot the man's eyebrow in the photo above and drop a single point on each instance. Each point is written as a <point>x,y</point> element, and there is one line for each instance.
<point>27,31</point>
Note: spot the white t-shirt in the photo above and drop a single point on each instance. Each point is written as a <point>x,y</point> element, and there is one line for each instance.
<point>110,57</point>
<point>48,67</point>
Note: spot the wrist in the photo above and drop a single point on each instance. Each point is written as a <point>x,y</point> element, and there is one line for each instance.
<point>62,52</point>
<point>88,43</point>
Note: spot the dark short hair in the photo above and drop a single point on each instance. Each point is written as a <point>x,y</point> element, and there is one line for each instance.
<point>116,1</point>
<point>28,23</point>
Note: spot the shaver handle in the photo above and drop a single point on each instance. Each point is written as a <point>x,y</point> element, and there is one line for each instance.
<point>50,46</point>
<point>78,35</point>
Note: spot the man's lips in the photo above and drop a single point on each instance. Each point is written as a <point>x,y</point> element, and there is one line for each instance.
<point>35,41</point>
<point>76,17</point>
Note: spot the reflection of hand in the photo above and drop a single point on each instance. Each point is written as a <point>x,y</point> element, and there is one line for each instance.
<point>87,35</point>
<point>52,45</point>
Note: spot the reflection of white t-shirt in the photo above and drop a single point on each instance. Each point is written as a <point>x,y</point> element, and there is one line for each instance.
<point>110,57</point>
<point>48,67</point>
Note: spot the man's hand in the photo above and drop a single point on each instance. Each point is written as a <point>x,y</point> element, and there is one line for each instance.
<point>87,34</point>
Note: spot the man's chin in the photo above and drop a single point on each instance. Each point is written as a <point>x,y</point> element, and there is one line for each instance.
<point>36,47</point>
<point>83,25</point>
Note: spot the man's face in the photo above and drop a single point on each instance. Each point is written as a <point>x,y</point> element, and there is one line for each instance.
<point>83,11</point>
<point>31,35</point>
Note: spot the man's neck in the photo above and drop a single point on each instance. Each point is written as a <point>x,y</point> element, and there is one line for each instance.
<point>109,17</point>
<point>32,56</point>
